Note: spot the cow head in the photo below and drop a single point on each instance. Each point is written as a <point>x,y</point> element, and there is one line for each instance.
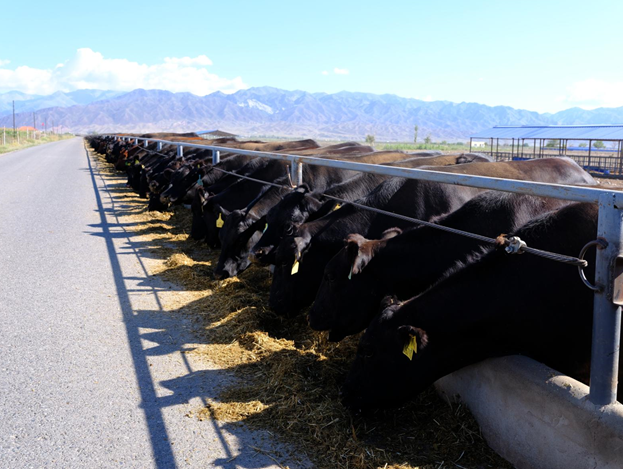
<point>154,203</point>
<point>289,273</point>
<point>283,220</point>
<point>240,231</point>
<point>134,174</point>
<point>382,375</point>
<point>196,181</point>
<point>214,217</point>
<point>182,181</point>
<point>348,298</point>
<point>198,228</point>
<point>166,196</point>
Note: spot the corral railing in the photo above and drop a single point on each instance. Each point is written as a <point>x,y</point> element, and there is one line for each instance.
<point>608,285</point>
<point>597,163</point>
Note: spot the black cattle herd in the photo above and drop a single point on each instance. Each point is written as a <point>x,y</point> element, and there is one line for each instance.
<point>430,302</point>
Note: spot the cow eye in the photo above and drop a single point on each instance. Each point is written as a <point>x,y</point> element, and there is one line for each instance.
<point>366,351</point>
<point>289,230</point>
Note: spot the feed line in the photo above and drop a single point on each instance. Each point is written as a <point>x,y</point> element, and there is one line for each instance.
<point>513,245</point>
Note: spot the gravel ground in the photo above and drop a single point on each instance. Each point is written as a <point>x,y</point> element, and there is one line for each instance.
<point>94,372</point>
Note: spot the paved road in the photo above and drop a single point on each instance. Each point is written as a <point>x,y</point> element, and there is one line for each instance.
<point>91,370</point>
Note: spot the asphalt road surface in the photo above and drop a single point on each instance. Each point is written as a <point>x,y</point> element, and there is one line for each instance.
<point>92,371</point>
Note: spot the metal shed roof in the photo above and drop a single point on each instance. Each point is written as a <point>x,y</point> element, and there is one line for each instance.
<point>562,132</point>
<point>217,133</point>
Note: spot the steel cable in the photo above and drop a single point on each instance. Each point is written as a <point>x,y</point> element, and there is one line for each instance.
<point>499,241</point>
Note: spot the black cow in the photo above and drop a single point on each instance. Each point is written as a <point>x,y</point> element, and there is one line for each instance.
<point>300,260</point>
<point>317,176</point>
<point>305,205</point>
<point>242,230</point>
<point>238,195</point>
<point>405,264</point>
<point>185,181</point>
<point>238,235</point>
<point>501,305</point>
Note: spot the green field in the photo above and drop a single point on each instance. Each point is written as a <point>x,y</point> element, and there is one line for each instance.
<point>23,139</point>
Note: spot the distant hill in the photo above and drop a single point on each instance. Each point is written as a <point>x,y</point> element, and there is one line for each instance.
<point>267,111</point>
<point>32,102</point>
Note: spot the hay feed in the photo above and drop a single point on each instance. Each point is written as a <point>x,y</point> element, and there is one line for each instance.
<point>289,376</point>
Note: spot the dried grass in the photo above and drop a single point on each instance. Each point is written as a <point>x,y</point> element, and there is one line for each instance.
<point>290,375</point>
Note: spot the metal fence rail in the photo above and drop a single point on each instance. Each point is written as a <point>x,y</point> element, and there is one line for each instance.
<point>609,260</point>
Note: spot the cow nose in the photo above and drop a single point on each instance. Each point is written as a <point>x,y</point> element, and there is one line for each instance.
<point>220,274</point>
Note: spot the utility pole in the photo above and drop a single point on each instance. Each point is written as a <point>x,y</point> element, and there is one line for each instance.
<point>14,128</point>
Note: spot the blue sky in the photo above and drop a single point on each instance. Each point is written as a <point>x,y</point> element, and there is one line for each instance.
<point>542,56</point>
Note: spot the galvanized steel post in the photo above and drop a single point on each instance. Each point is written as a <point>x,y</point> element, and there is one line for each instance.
<point>180,150</point>
<point>146,143</point>
<point>607,304</point>
<point>216,157</point>
<point>159,146</point>
<point>296,173</point>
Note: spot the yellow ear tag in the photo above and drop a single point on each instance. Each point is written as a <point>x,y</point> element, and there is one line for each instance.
<point>220,222</point>
<point>295,268</point>
<point>350,274</point>
<point>410,348</point>
<point>337,207</point>
<point>265,228</point>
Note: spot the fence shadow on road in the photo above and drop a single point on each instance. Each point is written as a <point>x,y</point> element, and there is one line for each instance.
<point>170,338</point>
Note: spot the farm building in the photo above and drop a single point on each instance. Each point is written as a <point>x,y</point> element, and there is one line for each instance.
<point>595,147</point>
<point>214,134</point>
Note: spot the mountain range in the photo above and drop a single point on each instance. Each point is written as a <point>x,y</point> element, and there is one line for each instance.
<point>33,102</point>
<point>267,111</point>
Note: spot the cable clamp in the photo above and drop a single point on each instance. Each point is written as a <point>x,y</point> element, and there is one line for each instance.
<point>515,245</point>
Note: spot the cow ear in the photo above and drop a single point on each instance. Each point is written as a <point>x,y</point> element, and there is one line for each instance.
<point>387,301</point>
<point>259,224</point>
<point>358,252</point>
<point>303,188</point>
<point>391,233</point>
<point>302,246</point>
<point>407,333</point>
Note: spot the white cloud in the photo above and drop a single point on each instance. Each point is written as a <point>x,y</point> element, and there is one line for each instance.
<point>4,62</point>
<point>189,61</point>
<point>593,93</point>
<point>89,69</point>
<point>341,71</point>
<point>324,72</point>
